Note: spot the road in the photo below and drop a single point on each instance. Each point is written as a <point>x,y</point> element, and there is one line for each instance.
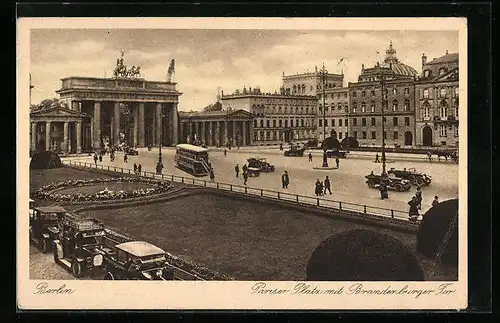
<point>348,181</point>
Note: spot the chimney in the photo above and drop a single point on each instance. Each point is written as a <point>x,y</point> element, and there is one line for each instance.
<point>424,59</point>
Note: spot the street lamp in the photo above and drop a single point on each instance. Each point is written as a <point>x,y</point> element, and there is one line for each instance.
<point>323,74</point>
<point>384,104</point>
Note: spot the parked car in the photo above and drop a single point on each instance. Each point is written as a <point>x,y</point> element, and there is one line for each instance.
<point>78,247</point>
<point>131,151</point>
<point>261,164</point>
<point>412,175</point>
<point>393,183</point>
<point>335,153</point>
<point>295,151</point>
<point>137,260</point>
<point>44,225</point>
<point>253,172</point>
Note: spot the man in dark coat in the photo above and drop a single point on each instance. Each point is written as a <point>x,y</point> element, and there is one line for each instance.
<point>310,157</point>
<point>418,197</point>
<point>95,158</point>
<point>237,170</point>
<point>337,161</point>
<point>244,168</point>
<point>327,185</point>
<point>285,180</point>
<point>135,168</point>
<point>376,158</point>
<point>317,187</point>
<point>413,212</point>
<point>212,175</point>
<point>139,169</point>
<point>159,168</point>
<point>245,177</point>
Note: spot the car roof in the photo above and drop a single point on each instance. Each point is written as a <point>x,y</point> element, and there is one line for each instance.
<point>194,148</point>
<point>55,209</point>
<point>140,248</point>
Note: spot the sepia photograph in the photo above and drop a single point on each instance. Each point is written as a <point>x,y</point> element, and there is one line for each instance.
<point>283,157</point>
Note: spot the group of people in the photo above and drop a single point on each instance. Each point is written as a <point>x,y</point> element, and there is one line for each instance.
<point>416,204</point>
<point>244,173</point>
<point>321,187</point>
<point>137,169</point>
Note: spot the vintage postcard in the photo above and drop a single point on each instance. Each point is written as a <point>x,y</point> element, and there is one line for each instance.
<point>242,163</point>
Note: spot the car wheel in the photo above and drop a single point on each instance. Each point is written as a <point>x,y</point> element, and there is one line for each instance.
<point>76,269</point>
<point>419,181</point>
<point>109,276</point>
<point>44,246</point>
<point>411,178</point>
<point>398,187</point>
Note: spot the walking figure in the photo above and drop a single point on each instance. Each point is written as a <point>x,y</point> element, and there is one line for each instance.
<point>159,168</point>
<point>237,170</point>
<point>413,212</point>
<point>384,193</point>
<point>429,156</point>
<point>418,197</point>
<point>245,177</point>
<point>281,147</point>
<point>125,158</point>
<point>337,161</point>
<point>317,187</point>
<point>327,185</point>
<point>244,168</point>
<point>436,201</point>
<point>212,175</point>
<point>139,169</point>
<point>100,158</point>
<point>135,168</point>
<point>95,159</point>
<point>285,180</point>
<point>225,151</point>
<point>376,158</point>
<point>310,157</point>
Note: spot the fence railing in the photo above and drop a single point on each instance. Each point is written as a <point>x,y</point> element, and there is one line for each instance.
<point>338,206</point>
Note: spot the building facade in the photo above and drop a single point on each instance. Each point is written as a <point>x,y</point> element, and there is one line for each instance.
<point>277,118</point>
<point>107,111</point>
<point>310,83</point>
<point>334,115</point>
<point>365,103</point>
<point>437,113</point>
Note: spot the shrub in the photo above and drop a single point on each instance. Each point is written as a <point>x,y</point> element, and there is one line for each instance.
<point>45,160</point>
<point>359,255</point>
<point>330,143</point>
<point>349,142</point>
<point>433,229</point>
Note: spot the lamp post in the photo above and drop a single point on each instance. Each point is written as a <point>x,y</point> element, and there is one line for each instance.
<point>323,74</point>
<point>384,104</point>
<point>162,115</point>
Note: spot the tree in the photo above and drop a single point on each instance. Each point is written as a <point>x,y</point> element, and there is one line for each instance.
<point>349,142</point>
<point>49,103</point>
<point>213,107</point>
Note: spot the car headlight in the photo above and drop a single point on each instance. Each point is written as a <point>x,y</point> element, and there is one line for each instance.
<point>97,260</point>
<point>147,275</point>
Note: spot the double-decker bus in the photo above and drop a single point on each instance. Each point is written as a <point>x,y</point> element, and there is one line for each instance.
<point>193,159</point>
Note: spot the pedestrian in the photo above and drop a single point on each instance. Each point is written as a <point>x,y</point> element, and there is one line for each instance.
<point>281,147</point>
<point>376,158</point>
<point>321,188</point>
<point>429,156</point>
<point>310,157</point>
<point>237,170</point>
<point>383,190</point>
<point>212,175</point>
<point>225,151</point>
<point>436,201</point>
<point>285,180</point>
<point>327,185</point>
<point>413,212</point>
<point>139,169</point>
<point>244,168</point>
<point>337,161</point>
<point>125,158</point>
<point>159,168</point>
<point>317,187</point>
<point>100,158</point>
<point>135,168</point>
<point>245,177</point>
<point>418,197</point>
<point>95,159</point>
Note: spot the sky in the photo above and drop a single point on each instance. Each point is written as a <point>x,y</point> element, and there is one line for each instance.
<point>230,59</point>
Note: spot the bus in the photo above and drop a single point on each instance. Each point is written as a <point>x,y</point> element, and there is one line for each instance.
<point>193,159</point>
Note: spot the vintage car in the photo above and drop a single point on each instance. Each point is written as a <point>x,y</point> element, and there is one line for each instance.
<point>253,171</point>
<point>260,163</point>
<point>393,183</point>
<point>131,151</point>
<point>412,175</point>
<point>294,151</point>
<point>335,153</point>
<point>44,225</point>
<point>137,260</point>
<point>78,247</point>
<point>31,206</point>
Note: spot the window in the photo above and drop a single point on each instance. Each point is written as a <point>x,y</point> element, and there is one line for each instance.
<point>374,135</point>
<point>395,121</point>
<point>302,110</point>
<point>395,135</point>
<point>363,93</point>
<point>426,93</point>
<point>345,95</point>
<point>286,123</point>
<point>442,70</point>
<point>442,130</point>
<point>426,112</point>
<point>354,121</point>
<point>346,109</point>
<point>286,109</point>
<point>407,90</point>
<point>363,107</point>
<point>456,92</point>
<point>346,122</point>
<point>301,122</point>
<point>442,92</point>
<point>456,111</point>
<point>394,91</point>
<point>407,121</point>
<point>320,109</point>
<point>354,94</point>
<point>385,135</point>
<point>395,105</point>
<point>320,123</point>
<point>280,123</point>
<point>363,121</point>
<point>279,109</point>
<point>333,122</point>
<point>262,123</point>
<point>274,123</point>
<point>407,105</point>
<point>373,93</point>
<point>354,107</point>
<point>355,134</point>
<point>326,122</point>
<point>427,73</point>
<point>339,107</point>
<point>326,110</point>
<point>443,111</point>
<point>364,134</point>
<point>373,122</point>
<point>340,135</point>
<point>268,123</point>
<point>456,130</point>
<point>372,106</point>
<point>340,122</point>
<point>307,110</point>
<point>255,123</point>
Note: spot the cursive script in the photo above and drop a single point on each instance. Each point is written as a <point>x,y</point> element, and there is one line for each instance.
<point>43,288</point>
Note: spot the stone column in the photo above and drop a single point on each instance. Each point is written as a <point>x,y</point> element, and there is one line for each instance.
<point>65,138</point>
<point>225,132</point>
<point>203,133</point>
<point>78,137</point>
<point>47,136</point>
<point>75,106</point>
<point>217,134</point>
<point>33,136</point>
<point>140,121</point>
<point>250,140</point>
<point>181,133</point>
<point>116,123</point>
<point>210,134</point>
<point>244,132</point>
<point>191,135</point>
<point>96,124</point>
<point>235,143</point>
<point>136,126</point>
<point>175,125</point>
<point>158,123</point>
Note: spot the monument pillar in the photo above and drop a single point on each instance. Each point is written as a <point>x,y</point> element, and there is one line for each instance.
<point>33,136</point>
<point>158,124</point>
<point>210,133</point>
<point>140,121</point>
<point>244,133</point>
<point>116,123</point>
<point>65,138</point>
<point>97,125</point>
<point>234,143</point>
<point>203,131</point>
<point>47,136</point>
<point>175,125</point>
<point>78,137</point>
<point>136,125</point>
<point>225,132</point>
<point>217,134</point>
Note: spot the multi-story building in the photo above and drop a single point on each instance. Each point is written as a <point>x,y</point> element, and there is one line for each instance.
<point>335,113</point>
<point>310,83</point>
<point>278,117</point>
<point>365,103</point>
<point>437,102</point>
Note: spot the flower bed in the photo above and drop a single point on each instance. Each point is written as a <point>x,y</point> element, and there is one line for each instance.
<point>47,192</point>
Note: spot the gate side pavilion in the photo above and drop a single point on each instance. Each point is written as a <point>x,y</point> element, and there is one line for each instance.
<point>108,111</point>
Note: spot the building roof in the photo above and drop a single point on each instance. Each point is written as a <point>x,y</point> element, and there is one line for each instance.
<point>444,59</point>
<point>401,69</point>
<point>140,248</point>
<point>194,148</point>
<point>52,209</point>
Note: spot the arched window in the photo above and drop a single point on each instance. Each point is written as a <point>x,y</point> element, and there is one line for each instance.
<point>301,122</point>
<point>354,107</point>
<point>407,105</point>
<point>286,109</point>
<point>339,107</point>
<point>372,106</point>
<point>363,106</point>
<point>427,73</point>
<point>302,110</point>
<point>307,110</point>
<point>395,105</point>
<point>394,91</point>
<point>443,109</point>
<point>279,109</point>
<point>426,110</point>
<point>255,123</point>
<point>426,93</point>
<point>442,92</point>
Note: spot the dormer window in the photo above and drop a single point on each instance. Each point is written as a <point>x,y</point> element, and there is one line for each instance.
<point>442,70</point>
<point>427,73</point>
